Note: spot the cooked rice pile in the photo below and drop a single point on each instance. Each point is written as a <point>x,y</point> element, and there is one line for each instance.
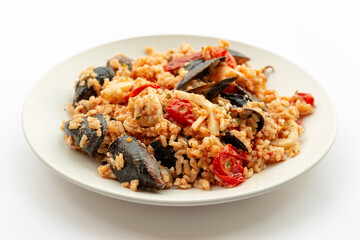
<point>195,146</point>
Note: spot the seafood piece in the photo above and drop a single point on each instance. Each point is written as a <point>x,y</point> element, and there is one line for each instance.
<point>119,61</point>
<point>166,155</point>
<point>253,118</point>
<point>135,163</point>
<point>198,71</point>
<point>292,138</point>
<point>86,87</point>
<point>230,138</point>
<point>239,57</point>
<point>213,89</point>
<point>87,132</point>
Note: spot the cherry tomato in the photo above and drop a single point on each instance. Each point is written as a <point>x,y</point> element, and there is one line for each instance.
<point>181,111</point>
<point>215,52</point>
<point>227,166</point>
<point>178,63</point>
<point>138,90</point>
<point>308,98</point>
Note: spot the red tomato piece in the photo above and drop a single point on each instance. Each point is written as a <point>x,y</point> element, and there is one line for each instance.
<point>138,90</point>
<point>216,52</point>
<point>178,63</point>
<point>181,111</point>
<point>227,166</point>
<point>308,98</point>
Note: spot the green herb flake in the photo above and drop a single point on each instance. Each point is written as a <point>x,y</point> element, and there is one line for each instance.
<point>138,117</point>
<point>296,92</point>
<point>168,96</point>
<point>124,65</point>
<point>201,151</point>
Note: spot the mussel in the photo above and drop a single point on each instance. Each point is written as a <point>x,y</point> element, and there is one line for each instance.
<point>213,89</point>
<point>102,73</point>
<point>241,96</point>
<point>138,163</point>
<point>192,64</point>
<point>239,57</point>
<point>122,60</point>
<point>253,118</point>
<point>230,138</point>
<point>166,155</point>
<point>87,132</point>
<point>197,72</point>
<point>82,89</point>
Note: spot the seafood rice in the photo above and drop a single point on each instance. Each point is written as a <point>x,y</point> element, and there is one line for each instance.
<point>183,118</point>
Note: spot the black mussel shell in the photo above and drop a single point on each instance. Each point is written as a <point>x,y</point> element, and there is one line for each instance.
<point>92,135</point>
<point>247,113</point>
<point>165,155</point>
<point>103,73</point>
<point>235,99</point>
<point>192,64</point>
<point>239,57</point>
<point>197,71</point>
<point>83,92</point>
<point>230,138</point>
<point>213,89</point>
<point>138,163</point>
<point>122,60</point>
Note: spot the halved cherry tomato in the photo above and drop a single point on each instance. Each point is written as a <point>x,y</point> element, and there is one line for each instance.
<point>308,98</point>
<point>138,90</point>
<point>178,63</point>
<point>215,52</point>
<point>181,111</point>
<point>227,166</point>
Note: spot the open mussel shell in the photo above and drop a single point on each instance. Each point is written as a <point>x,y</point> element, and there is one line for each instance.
<point>165,155</point>
<point>235,99</point>
<point>198,71</point>
<point>83,92</point>
<point>138,163</point>
<point>241,97</point>
<point>213,89</point>
<point>253,117</point>
<point>239,57</point>
<point>192,64</point>
<point>94,136</point>
<point>230,138</point>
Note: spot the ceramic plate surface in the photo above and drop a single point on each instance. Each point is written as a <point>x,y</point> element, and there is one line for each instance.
<point>45,109</point>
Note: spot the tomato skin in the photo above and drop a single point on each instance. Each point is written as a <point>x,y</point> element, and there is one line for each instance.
<point>178,63</point>
<point>216,52</point>
<point>308,98</point>
<point>138,90</point>
<point>181,111</point>
<point>227,166</point>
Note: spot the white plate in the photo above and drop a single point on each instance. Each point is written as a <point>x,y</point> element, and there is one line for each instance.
<point>45,108</point>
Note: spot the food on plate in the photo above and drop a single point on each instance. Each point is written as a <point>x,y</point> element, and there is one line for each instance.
<point>183,118</point>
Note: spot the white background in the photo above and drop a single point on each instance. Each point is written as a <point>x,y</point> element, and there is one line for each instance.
<point>320,36</point>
